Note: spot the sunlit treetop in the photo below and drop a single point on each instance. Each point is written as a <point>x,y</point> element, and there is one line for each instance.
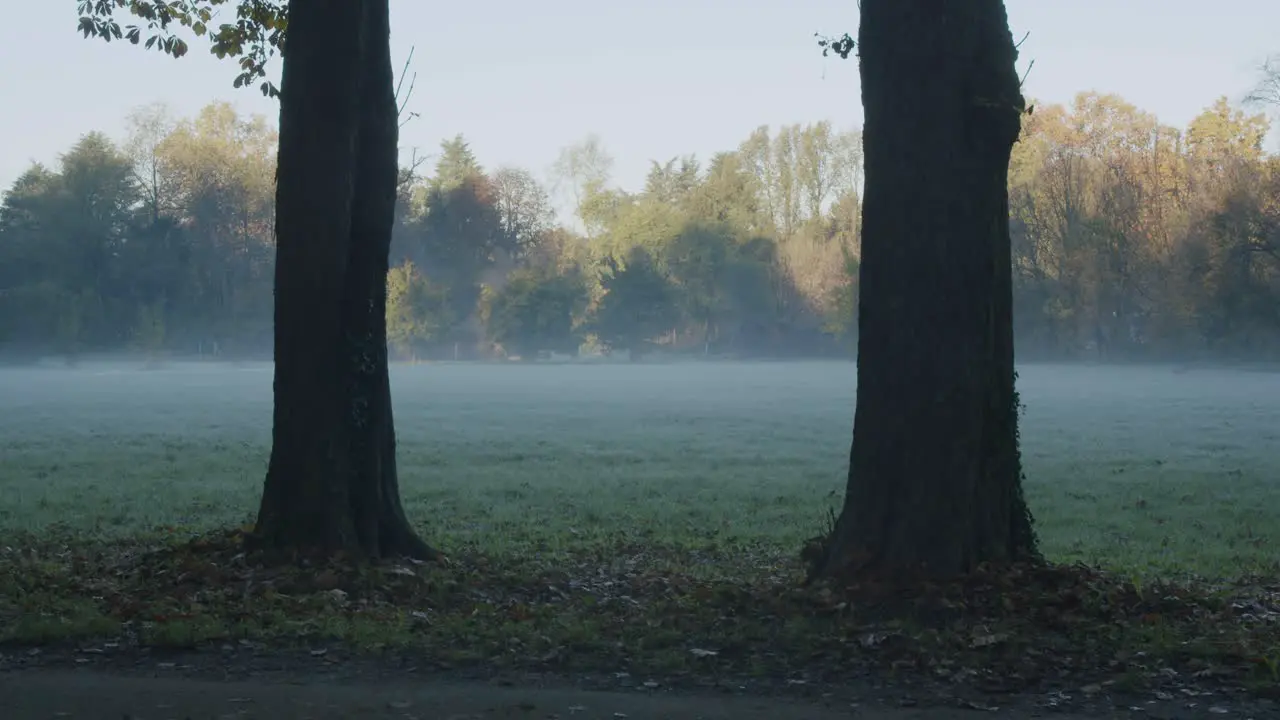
<point>255,37</point>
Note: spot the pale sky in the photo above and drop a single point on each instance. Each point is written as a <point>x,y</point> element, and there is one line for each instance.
<point>654,79</point>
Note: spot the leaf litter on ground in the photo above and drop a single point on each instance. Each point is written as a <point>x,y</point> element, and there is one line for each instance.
<point>655,611</point>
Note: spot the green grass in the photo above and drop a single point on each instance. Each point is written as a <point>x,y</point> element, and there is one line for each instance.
<point>1139,469</point>
<point>639,518</point>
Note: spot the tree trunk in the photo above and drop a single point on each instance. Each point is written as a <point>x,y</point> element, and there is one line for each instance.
<point>331,484</point>
<point>934,483</point>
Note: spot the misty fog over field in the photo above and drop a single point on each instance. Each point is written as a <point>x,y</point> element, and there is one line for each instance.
<point>1125,465</point>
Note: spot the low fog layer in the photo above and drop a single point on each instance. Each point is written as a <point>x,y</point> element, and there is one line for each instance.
<point>1114,456</point>
<point>1160,409</point>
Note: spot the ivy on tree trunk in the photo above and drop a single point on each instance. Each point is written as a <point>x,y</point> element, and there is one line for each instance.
<point>935,477</point>
<point>331,484</point>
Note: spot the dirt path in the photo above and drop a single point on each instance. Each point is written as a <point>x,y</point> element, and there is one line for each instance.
<point>91,695</point>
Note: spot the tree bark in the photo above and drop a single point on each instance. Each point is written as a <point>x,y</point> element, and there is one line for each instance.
<point>331,484</point>
<point>934,485</point>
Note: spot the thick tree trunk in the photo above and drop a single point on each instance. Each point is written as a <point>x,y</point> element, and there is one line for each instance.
<point>934,471</point>
<point>331,484</point>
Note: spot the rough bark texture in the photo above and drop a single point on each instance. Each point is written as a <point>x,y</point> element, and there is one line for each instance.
<point>331,484</point>
<point>934,471</point>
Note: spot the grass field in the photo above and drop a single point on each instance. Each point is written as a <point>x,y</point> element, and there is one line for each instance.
<point>1145,470</point>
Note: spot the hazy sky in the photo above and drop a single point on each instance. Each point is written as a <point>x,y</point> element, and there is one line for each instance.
<point>653,79</point>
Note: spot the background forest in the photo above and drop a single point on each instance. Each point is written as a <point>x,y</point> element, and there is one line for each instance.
<point>1132,240</point>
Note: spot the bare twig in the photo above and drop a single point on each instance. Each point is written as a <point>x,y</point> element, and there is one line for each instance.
<point>409,174</point>
<point>416,162</point>
<point>1023,80</point>
<point>403,103</point>
<point>1267,91</point>
<point>405,71</point>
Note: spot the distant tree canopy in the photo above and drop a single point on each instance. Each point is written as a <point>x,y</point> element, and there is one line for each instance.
<point>1130,239</point>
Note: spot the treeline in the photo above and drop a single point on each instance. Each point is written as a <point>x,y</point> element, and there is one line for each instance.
<point>1136,239</point>
<point>1131,239</point>
<point>163,243</point>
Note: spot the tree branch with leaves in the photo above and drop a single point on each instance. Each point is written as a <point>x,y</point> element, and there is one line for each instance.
<point>256,35</point>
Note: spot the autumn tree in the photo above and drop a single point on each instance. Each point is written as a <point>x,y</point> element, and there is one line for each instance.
<point>149,127</point>
<point>934,483</point>
<point>524,209</point>
<point>217,171</point>
<point>331,483</point>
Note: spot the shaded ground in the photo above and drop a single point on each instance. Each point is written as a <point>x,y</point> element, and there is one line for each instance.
<point>29,696</point>
<point>169,690</point>
<point>641,622</point>
<point>32,696</point>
